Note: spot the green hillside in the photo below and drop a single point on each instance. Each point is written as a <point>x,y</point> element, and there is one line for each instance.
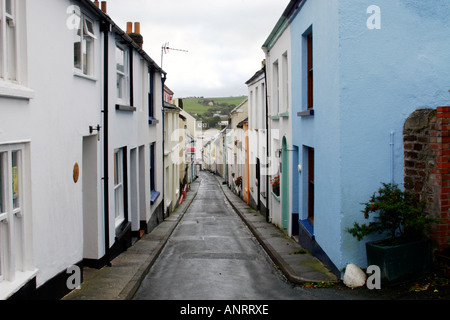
<point>202,105</point>
<point>211,110</point>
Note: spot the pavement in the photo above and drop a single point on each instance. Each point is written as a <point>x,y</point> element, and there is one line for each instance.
<point>297,265</point>
<point>121,280</point>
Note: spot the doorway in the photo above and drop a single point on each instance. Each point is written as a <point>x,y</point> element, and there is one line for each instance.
<point>89,177</point>
<point>311,185</point>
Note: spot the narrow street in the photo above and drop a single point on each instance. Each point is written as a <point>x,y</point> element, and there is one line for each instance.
<point>212,255</point>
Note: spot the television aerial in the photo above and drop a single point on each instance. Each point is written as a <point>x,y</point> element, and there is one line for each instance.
<point>165,50</point>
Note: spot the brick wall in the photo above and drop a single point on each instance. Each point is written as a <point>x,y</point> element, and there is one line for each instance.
<point>426,137</point>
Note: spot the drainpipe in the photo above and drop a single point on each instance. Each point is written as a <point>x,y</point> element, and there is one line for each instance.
<point>267,146</point>
<point>163,81</point>
<point>392,156</point>
<point>106,30</point>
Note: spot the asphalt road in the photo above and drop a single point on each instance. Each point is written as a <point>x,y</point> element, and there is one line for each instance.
<point>212,255</point>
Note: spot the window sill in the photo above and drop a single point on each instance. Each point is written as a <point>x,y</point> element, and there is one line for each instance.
<point>306,113</point>
<point>153,196</point>
<point>16,91</point>
<point>306,224</point>
<point>284,114</point>
<point>8,288</point>
<point>84,76</point>
<point>152,120</point>
<point>125,108</point>
<point>277,117</point>
<point>276,197</point>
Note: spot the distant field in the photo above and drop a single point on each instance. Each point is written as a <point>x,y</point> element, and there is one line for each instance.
<point>195,105</point>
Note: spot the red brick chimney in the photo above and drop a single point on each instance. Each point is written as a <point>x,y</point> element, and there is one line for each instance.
<point>136,35</point>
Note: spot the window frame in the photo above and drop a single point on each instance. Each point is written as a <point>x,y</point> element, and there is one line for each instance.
<point>151,102</point>
<point>126,91</point>
<point>285,81</point>
<point>276,88</point>
<point>309,71</point>
<point>17,87</point>
<point>3,216</point>
<point>152,167</point>
<point>86,46</point>
<point>119,187</point>
<point>12,221</point>
<point>8,51</point>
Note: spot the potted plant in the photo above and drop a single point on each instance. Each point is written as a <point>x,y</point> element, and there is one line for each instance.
<point>275,182</point>
<point>238,182</point>
<point>405,253</point>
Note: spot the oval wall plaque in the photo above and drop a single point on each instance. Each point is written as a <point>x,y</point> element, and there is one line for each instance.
<point>76,172</point>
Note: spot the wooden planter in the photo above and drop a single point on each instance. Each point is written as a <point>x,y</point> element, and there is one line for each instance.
<point>400,263</point>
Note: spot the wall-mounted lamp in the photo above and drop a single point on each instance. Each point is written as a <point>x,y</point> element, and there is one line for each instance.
<point>97,128</point>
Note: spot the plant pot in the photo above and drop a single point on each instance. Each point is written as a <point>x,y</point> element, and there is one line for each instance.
<point>400,263</point>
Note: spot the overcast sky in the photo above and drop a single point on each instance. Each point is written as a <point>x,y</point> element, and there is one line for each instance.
<point>223,39</point>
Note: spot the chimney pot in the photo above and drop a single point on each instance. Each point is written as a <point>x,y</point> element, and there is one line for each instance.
<point>129,27</point>
<point>104,7</point>
<point>97,3</point>
<point>137,27</point>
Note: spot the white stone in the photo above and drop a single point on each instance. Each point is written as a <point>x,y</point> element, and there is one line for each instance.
<point>354,277</point>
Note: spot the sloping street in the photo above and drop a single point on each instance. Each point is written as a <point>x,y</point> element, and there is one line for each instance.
<point>205,251</point>
<point>212,255</point>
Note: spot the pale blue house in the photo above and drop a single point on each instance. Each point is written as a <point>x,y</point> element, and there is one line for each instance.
<point>359,69</point>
